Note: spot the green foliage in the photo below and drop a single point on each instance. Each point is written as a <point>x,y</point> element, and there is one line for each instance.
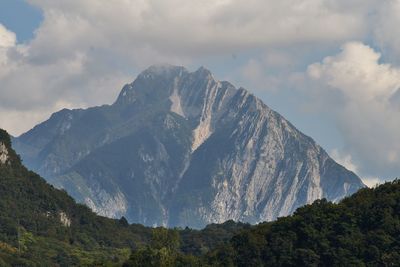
<point>164,238</point>
<point>163,251</point>
<point>32,233</point>
<point>362,230</point>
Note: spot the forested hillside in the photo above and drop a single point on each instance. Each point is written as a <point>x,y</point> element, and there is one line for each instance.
<point>362,230</point>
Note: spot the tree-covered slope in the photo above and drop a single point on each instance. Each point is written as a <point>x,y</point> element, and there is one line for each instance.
<point>41,225</point>
<point>362,230</point>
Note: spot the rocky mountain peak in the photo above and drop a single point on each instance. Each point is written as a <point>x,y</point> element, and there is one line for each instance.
<point>161,81</point>
<point>204,73</point>
<point>164,70</point>
<point>181,148</point>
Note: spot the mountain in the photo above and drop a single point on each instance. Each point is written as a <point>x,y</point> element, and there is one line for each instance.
<point>180,148</point>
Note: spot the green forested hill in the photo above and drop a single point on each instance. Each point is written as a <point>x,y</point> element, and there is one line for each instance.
<point>362,230</point>
<point>43,226</point>
<point>40,224</point>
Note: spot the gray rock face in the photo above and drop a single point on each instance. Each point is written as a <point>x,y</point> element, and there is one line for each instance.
<point>3,153</point>
<point>180,148</point>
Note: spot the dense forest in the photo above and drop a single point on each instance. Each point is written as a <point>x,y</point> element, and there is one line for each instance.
<point>362,230</point>
<point>43,226</point>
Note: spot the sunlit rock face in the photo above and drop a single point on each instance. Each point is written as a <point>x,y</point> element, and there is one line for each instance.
<point>3,153</point>
<point>179,148</point>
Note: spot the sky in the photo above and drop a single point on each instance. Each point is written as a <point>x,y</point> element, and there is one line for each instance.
<point>331,67</point>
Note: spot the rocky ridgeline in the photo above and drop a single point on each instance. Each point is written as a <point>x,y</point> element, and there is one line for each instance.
<point>180,148</point>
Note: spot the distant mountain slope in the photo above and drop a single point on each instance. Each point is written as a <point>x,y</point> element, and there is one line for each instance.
<point>181,148</point>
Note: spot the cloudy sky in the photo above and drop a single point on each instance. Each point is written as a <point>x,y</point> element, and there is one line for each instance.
<point>332,67</point>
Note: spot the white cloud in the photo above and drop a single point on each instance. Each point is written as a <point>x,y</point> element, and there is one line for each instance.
<point>7,40</point>
<point>344,160</point>
<point>356,72</point>
<point>209,24</point>
<point>84,51</point>
<point>366,115</point>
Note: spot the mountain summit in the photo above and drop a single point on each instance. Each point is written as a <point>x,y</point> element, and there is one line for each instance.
<point>180,148</point>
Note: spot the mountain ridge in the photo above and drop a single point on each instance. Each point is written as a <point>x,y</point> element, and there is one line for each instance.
<point>150,151</point>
